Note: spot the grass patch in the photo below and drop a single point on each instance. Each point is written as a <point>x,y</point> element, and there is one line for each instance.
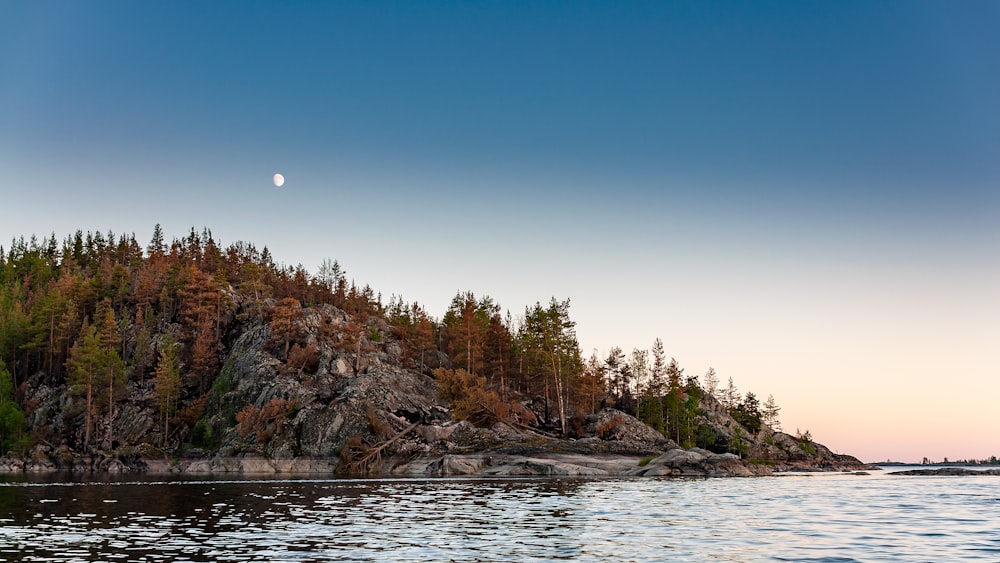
<point>645,461</point>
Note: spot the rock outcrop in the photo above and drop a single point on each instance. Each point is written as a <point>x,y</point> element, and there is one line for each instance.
<point>341,400</point>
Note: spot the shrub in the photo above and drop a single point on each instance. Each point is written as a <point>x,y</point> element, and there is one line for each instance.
<point>471,400</point>
<point>302,359</point>
<point>264,422</point>
<point>605,430</point>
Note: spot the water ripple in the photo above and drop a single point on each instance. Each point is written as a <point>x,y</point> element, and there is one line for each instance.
<point>833,518</point>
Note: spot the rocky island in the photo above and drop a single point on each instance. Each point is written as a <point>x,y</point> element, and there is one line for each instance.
<point>191,358</point>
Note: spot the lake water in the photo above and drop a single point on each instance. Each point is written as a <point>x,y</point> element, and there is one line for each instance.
<point>838,517</point>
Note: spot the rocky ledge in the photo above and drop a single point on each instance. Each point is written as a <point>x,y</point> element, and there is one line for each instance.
<point>616,445</point>
<point>673,463</point>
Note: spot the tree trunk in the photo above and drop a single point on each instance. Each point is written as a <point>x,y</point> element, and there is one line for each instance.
<point>560,402</point>
<point>111,406</point>
<point>86,425</point>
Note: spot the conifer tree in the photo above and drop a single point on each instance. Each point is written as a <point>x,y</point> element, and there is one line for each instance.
<point>730,395</point>
<point>711,382</point>
<point>157,246</point>
<point>771,410</point>
<point>168,382</point>
<point>84,364</point>
<point>549,339</point>
<point>11,416</point>
<point>112,369</point>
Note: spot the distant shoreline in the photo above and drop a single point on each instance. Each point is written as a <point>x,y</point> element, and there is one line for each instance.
<point>938,464</point>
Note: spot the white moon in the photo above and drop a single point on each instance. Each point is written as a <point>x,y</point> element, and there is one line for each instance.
<point>279,180</point>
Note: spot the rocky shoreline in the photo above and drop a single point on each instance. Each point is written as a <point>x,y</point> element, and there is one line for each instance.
<point>673,463</point>
<point>615,444</point>
<point>448,451</point>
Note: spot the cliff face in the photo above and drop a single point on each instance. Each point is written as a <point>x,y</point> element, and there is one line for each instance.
<point>316,389</point>
<point>303,393</point>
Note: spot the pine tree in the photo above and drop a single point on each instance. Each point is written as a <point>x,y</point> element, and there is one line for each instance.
<point>730,396</point>
<point>549,340</point>
<point>112,369</point>
<point>156,245</point>
<point>674,400</point>
<point>168,382</point>
<point>284,329</point>
<point>711,382</point>
<point>11,416</point>
<point>771,410</point>
<point>84,365</point>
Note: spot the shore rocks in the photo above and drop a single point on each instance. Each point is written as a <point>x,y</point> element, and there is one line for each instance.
<point>695,463</point>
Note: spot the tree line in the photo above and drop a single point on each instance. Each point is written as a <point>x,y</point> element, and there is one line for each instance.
<point>99,311</point>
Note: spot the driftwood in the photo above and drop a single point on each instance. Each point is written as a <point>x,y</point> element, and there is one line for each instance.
<point>373,455</point>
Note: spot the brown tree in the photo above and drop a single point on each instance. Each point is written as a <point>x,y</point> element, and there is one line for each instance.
<point>284,323</point>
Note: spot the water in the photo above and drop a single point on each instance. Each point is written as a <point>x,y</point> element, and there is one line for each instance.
<point>790,518</point>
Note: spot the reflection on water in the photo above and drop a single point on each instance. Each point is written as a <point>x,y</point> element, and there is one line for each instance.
<point>804,518</point>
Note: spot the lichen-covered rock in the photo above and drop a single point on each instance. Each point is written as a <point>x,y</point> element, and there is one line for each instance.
<point>694,463</point>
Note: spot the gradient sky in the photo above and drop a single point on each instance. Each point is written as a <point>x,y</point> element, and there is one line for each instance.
<point>803,195</point>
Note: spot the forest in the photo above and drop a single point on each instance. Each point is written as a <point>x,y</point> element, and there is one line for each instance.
<point>98,313</point>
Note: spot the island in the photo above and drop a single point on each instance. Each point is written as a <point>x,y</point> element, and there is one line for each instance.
<point>189,357</point>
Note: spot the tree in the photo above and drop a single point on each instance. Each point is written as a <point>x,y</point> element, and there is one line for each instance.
<point>649,384</point>
<point>658,370</point>
<point>651,403</point>
<point>329,275</point>
<point>730,396</point>
<point>674,401</point>
<point>592,380</point>
<point>156,245</point>
<point>711,382</point>
<point>84,365</point>
<point>464,329</point>
<point>94,364</point>
<point>549,339</point>
<point>639,366</point>
<point>771,410</point>
<point>284,323</point>
<point>167,381</point>
<point>112,368</point>
<point>619,379</point>
<point>748,414</point>
<point>11,416</point>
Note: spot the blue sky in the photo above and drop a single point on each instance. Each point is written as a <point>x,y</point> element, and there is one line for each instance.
<point>802,195</point>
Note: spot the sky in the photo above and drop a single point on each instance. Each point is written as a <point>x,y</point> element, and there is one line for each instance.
<point>804,196</point>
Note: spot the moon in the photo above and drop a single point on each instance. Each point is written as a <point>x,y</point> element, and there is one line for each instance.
<point>279,180</point>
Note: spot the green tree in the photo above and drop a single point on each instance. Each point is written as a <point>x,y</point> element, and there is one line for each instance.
<point>730,396</point>
<point>711,382</point>
<point>94,364</point>
<point>771,410</point>
<point>167,382</point>
<point>111,374</point>
<point>674,401</point>
<point>748,414</point>
<point>11,417</point>
<point>85,363</point>
<point>464,328</point>
<point>156,244</point>
<point>651,403</point>
<point>619,379</point>
<point>549,339</point>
